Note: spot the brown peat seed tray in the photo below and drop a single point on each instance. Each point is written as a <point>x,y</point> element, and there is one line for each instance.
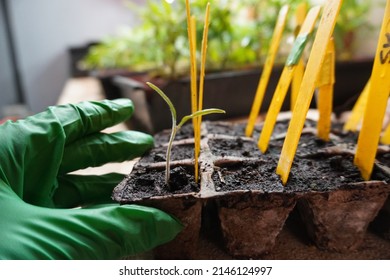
<point>240,194</point>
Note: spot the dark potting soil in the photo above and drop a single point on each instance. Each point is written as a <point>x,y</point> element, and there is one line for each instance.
<point>237,147</point>
<point>239,171</point>
<point>144,183</point>
<point>238,129</point>
<point>384,158</point>
<point>318,165</point>
<point>225,128</point>
<point>307,175</point>
<point>257,175</point>
<point>185,132</point>
<point>178,152</point>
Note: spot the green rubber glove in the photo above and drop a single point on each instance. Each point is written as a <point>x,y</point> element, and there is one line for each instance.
<point>37,195</point>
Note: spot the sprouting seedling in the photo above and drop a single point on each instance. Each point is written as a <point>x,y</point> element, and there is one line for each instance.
<point>176,127</point>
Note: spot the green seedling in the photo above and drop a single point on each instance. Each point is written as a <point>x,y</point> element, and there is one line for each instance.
<point>176,127</point>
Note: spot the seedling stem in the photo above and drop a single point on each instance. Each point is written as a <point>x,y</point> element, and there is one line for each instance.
<point>176,127</point>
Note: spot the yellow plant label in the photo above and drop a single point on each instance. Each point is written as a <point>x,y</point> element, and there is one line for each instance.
<point>275,107</point>
<point>203,57</point>
<point>300,15</point>
<point>266,73</point>
<point>296,82</point>
<point>378,94</point>
<point>306,91</point>
<point>326,76</point>
<point>358,110</point>
<point>286,77</point>
<point>201,89</point>
<point>325,82</point>
<point>191,30</point>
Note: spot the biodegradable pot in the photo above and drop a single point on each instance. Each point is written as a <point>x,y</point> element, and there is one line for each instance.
<point>339,206</point>
<point>267,206</point>
<point>251,221</point>
<point>338,220</point>
<point>251,203</point>
<point>185,207</point>
<point>336,205</point>
<point>146,186</point>
<point>381,224</point>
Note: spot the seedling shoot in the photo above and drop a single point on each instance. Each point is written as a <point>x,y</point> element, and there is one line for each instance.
<point>176,127</point>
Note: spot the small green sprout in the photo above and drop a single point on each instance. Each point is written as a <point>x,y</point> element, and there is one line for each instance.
<point>176,127</point>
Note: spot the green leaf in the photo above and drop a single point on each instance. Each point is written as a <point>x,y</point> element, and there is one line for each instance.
<point>167,100</point>
<point>198,114</point>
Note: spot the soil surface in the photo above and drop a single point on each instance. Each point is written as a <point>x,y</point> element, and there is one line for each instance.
<point>185,132</point>
<point>158,154</point>
<point>144,183</point>
<point>318,165</point>
<point>236,147</point>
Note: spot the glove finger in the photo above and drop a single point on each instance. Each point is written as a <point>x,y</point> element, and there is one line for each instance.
<point>120,231</point>
<point>85,118</point>
<point>100,148</point>
<point>104,232</point>
<point>78,190</point>
<point>33,147</point>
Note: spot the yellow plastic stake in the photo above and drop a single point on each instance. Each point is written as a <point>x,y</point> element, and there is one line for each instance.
<point>201,88</point>
<point>376,102</point>
<point>358,110</point>
<point>300,15</point>
<point>193,65</point>
<point>193,50</point>
<point>296,82</point>
<point>191,29</point>
<point>306,91</point>
<point>386,136</point>
<point>286,77</point>
<point>269,63</point>
<point>203,57</point>
<point>325,82</point>
<point>194,97</point>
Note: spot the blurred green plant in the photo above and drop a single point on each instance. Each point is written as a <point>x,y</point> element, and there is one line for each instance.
<point>154,45</point>
<point>239,35</point>
<point>353,18</point>
<point>159,44</point>
<point>263,15</point>
<point>121,51</point>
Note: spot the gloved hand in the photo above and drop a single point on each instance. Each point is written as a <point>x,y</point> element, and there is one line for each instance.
<point>35,156</point>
